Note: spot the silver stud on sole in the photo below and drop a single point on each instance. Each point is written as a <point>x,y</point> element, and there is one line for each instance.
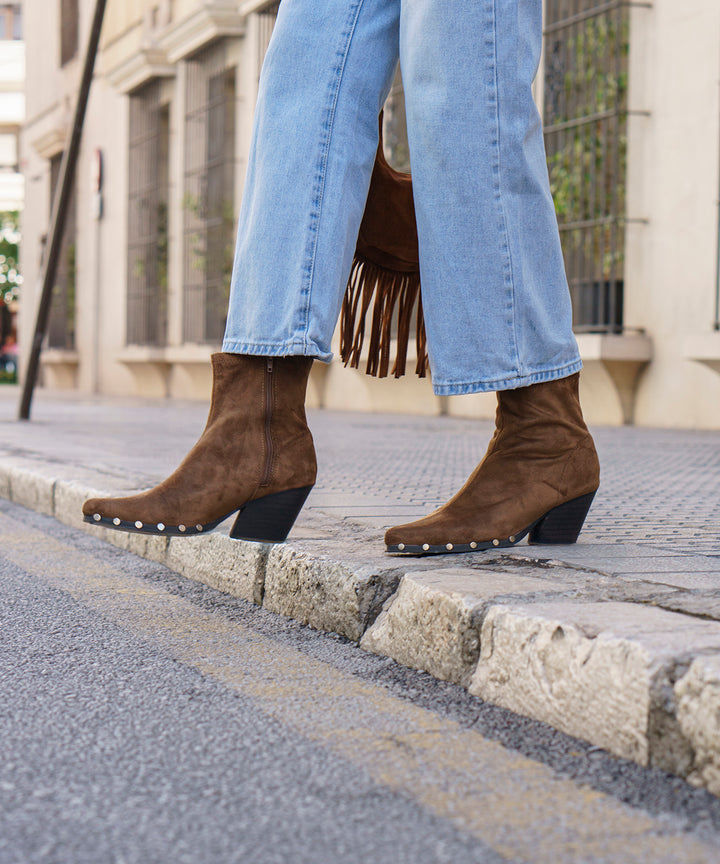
<point>426,546</point>
<point>138,524</point>
<point>160,526</point>
<point>97,517</point>
<point>449,547</point>
<point>116,521</point>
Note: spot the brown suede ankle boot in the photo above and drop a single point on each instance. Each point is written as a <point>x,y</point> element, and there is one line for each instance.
<point>538,477</point>
<point>255,455</point>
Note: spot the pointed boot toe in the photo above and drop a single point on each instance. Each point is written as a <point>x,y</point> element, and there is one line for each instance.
<point>92,506</point>
<point>94,509</point>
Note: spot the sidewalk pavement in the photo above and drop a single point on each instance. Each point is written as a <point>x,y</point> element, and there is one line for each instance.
<point>615,639</point>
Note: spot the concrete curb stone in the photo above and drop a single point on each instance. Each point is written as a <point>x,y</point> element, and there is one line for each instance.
<point>68,498</point>
<point>591,670</point>
<point>434,621</point>
<point>227,565</point>
<point>31,490</point>
<point>698,716</point>
<point>326,594</point>
<point>642,682</point>
<point>5,490</point>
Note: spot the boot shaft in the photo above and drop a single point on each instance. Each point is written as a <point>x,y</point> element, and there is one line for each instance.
<point>240,382</point>
<point>549,412</point>
<point>264,398</point>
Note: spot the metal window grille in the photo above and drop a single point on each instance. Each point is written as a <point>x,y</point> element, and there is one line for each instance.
<point>585,115</point>
<point>61,323</point>
<point>69,30</point>
<point>209,198</point>
<point>148,200</point>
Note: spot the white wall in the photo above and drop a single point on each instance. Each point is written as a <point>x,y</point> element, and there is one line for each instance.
<point>12,115</point>
<point>673,183</point>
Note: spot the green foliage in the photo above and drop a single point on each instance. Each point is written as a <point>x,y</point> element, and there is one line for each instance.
<point>218,220</point>
<point>10,278</point>
<point>587,159</point>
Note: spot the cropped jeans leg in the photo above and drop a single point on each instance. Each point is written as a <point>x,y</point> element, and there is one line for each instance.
<point>327,72</point>
<point>495,296</point>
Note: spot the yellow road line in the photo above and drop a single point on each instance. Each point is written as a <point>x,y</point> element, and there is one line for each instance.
<point>519,807</point>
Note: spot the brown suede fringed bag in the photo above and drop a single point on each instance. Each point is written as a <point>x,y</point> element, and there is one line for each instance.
<point>385,270</point>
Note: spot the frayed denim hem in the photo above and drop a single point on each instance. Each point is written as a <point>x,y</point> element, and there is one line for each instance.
<point>277,349</point>
<point>507,383</point>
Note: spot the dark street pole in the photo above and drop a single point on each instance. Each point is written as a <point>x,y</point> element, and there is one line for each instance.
<point>59,214</point>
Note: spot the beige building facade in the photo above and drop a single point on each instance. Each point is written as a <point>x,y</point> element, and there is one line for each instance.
<point>12,105</point>
<point>139,302</point>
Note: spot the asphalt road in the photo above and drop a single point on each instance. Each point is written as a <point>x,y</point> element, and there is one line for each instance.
<point>145,718</point>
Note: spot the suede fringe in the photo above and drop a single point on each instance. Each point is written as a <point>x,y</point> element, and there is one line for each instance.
<point>390,290</point>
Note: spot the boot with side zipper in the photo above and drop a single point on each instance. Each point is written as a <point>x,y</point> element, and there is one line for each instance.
<point>538,478</point>
<point>255,456</point>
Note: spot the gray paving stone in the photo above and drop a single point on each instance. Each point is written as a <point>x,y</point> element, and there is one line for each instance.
<point>691,581</point>
<point>584,550</point>
<point>665,564</point>
<point>700,605</point>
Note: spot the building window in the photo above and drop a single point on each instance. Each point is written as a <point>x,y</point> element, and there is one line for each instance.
<point>10,21</point>
<point>585,115</point>
<point>148,201</point>
<point>209,194</point>
<point>69,30</point>
<point>61,325</point>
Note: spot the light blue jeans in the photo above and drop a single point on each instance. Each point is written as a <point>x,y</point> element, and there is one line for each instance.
<point>495,296</point>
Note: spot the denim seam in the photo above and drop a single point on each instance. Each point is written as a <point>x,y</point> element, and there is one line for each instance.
<point>461,388</point>
<point>503,220</point>
<point>294,347</point>
<point>319,191</point>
